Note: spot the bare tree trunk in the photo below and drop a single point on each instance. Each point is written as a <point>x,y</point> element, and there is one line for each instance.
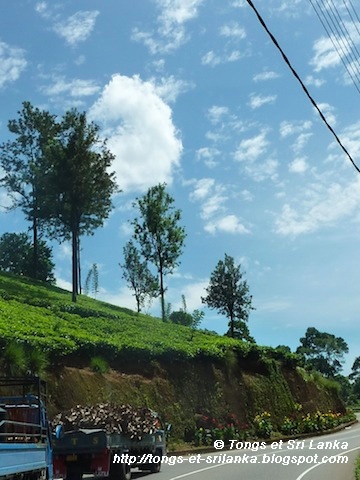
<point>74,265</point>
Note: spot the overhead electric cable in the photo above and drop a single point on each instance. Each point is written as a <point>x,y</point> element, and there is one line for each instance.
<point>356,15</point>
<point>332,36</point>
<point>275,42</point>
<point>345,38</point>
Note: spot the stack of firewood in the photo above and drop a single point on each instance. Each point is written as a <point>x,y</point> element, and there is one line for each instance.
<point>125,419</point>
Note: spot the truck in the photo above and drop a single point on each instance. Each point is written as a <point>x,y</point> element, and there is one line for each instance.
<point>25,433</point>
<point>94,451</point>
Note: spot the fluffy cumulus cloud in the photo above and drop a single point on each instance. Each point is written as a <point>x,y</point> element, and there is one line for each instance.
<point>320,206</point>
<point>171,32</point>
<point>298,165</point>
<point>250,149</point>
<point>140,132</point>
<point>78,27</point>
<point>325,55</point>
<point>12,63</point>
<point>226,224</point>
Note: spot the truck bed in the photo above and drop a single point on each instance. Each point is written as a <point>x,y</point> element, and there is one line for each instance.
<point>93,440</point>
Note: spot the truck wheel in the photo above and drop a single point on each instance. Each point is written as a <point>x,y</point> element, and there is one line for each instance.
<point>155,467</point>
<point>73,474</point>
<point>120,471</point>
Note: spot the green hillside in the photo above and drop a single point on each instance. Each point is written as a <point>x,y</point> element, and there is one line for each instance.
<point>44,316</point>
<point>184,374</point>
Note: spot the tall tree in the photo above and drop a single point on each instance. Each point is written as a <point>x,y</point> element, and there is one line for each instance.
<point>229,294</point>
<point>92,280</point>
<point>16,256</point>
<point>323,351</point>
<point>25,166</point>
<point>80,186</point>
<point>138,276</point>
<point>355,369</point>
<point>159,234</point>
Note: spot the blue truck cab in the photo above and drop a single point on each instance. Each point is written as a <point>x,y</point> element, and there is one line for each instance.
<point>25,435</point>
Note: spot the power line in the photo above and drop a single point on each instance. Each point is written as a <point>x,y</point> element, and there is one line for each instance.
<point>293,71</point>
<point>332,37</point>
<point>340,37</point>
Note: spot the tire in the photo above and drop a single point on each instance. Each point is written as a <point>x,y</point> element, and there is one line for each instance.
<point>155,467</point>
<point>121,471</point>
<point>73,474</point>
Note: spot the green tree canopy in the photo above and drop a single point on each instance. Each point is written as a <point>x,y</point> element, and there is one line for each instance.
<point>323,351</point>
<point>25,166</point>
<point>138,276</point>
<point>79,185</point>
<point>158,233</point>
<point>16,256</point>
<point>229,294</point>
<point>355,369</point>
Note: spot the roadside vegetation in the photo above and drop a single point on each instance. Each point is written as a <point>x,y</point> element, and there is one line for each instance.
<point>357,468</point>
<point>43,317</point>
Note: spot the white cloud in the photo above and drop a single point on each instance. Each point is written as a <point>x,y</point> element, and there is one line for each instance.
<point>208,155</point>
<point>233,30</point>
<point>247,196</point>
<point>226,224</point>
<point>262,77</point>
<point>171,32</point>
<point>140,132</point>
<point>260,171</point>
<point>6,200</point>
<point>78,27</point>
<point>12,63</point>
<point>203,188</point>
<point>123,297</point>
<point>257,101</point>
<point>74,88</point>
<point>328,112</point>
<point>298,165</point>
<point>301,141</point>
<point>61,283</point>
<point>316,82</point>
<point>213,197</point>
<point>192,291</point>
<point>325,56</point>
<point>212,59</point>
<point>320,206</point>
<point>169,88</point>
<point>41,8</point>
<point>216,113</point>
<point>291,128</point>
<point>250,149</point>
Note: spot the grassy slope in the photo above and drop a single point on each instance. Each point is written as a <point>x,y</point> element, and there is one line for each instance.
<point>44,316</point>
<point>218,375</point>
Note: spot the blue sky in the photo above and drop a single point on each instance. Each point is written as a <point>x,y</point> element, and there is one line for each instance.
<point>193,93</point>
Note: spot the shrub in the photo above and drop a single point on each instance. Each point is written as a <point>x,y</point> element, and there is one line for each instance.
<point>357,468</point>
<point>13,359</point>
<point>99,365</point>
<point>36,362</point>
<point>263,425</point>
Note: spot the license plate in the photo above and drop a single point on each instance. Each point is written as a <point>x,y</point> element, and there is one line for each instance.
<point>71,458</point>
